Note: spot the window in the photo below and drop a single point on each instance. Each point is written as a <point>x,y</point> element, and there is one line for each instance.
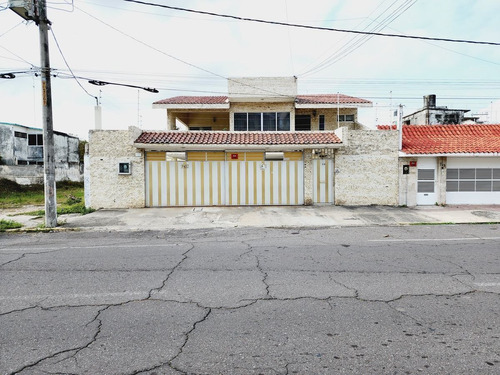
<point>20,135</point>
<point>35,140</point>
<point>473,179</point>
<point>346,118</point>
<point>321,122</point>
<point>262,121</point>
<point>425,181</point>
<point>302,122</point>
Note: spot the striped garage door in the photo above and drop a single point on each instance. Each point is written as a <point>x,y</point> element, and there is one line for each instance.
<point>216,179</point>
<point>322,181</point>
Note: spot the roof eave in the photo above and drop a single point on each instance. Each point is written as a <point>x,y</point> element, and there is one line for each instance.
<point>190,106</point>
<point>223,147</point>
<point>331,105</point>
<point>455,154</point>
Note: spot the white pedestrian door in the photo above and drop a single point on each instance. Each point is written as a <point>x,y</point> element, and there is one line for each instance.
<point>322,181</point>
<point>426,181</point>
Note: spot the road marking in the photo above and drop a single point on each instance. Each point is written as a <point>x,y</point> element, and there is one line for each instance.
<point>487,284</point>
<point>437,239</point>
<point>87,247</point>
<point>66,296</point>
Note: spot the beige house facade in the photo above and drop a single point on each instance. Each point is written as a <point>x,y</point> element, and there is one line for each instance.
<point>262,144</point>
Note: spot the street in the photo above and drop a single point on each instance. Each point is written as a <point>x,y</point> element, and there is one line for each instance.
<point>355,300</point>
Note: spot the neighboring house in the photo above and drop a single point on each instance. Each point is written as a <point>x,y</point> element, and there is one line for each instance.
<point>262,144</point>
<point>449,164</point>
<point>21,149</point>
<point>431,114</point>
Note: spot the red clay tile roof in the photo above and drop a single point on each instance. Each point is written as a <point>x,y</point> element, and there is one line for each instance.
<point>451,139</point>
<point>238,138</point>
<point>300,99</point>
<point>330,99</point>
<point>387,127</point>
<point>194,100</point>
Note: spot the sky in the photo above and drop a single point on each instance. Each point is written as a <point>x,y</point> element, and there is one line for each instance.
<point>182,53</point>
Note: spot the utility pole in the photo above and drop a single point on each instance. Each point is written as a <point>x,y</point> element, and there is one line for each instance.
<point>38,13</point>
<point>48,131</point>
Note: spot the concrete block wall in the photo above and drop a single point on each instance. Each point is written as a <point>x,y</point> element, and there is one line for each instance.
<point>366,169</point>
<point>105,188</point>
<point>261,87</point>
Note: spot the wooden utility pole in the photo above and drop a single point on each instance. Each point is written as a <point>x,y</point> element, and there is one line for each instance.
<point>48,132</point>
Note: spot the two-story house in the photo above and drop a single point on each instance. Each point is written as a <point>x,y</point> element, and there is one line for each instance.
<point>262,144</point>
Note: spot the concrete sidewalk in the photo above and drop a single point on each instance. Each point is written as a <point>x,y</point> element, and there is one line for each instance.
<point>286,217</point>
<point>274,216</point>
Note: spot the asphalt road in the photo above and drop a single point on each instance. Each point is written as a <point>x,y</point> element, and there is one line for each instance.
<point>369,300</point>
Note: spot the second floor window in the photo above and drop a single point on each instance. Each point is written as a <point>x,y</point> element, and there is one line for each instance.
<point>35,140</point>
<point>262,121</point>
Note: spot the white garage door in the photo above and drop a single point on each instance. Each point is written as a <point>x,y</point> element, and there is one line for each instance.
<point>473,181</point>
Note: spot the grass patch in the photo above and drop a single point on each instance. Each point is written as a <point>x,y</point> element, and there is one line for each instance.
<point>13,195</point>
<point>69,197</point>
<point>63,210</point>
<point>9,224</point>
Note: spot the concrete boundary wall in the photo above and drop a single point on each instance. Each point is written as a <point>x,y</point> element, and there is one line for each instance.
<point>105,187</point>
<point>366,168</point>
<point>33,174</point>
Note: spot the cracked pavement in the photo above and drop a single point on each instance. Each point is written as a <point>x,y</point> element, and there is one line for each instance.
<point>414,299</point>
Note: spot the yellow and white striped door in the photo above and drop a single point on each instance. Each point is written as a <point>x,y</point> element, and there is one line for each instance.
<point>184,183</point>
<point>264,183</point>
<point>323,181</point>
<point>206,179</point>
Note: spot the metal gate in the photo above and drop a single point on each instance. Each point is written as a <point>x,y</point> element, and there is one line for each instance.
<point>222,182</point>
<point>264,183</point>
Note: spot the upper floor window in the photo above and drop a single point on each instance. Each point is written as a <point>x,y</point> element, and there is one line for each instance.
<point>20,135</point>
<point>262,121</point>
<point>346,118</point>
<point>35,139</point>
<point>321,122</point>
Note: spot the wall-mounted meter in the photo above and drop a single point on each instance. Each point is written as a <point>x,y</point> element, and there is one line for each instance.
<point>124,168</point>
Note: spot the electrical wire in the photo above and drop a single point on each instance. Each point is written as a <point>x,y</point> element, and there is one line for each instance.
<point>314,27</point>
<point>357,41</point>
<point>274,93</point>
<point>69,68</point>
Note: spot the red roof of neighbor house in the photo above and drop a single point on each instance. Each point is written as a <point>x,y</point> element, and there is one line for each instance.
<point>330,99</point>
<point>451,139</point>
<point>238,138</point>
<point>300,99</point>
<point>387,127</point>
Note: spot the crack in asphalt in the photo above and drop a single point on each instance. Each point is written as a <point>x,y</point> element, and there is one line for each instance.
<point>23,255</point>
<point>54,355</point>
<point>264,277</point>
<point>179,352</point>
<point>184,257</point>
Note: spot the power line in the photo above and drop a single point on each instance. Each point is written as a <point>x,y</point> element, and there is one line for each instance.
<point>67,65</point>
<point>178,59</point>
<point>313,27</point>
<point>358,40</point>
